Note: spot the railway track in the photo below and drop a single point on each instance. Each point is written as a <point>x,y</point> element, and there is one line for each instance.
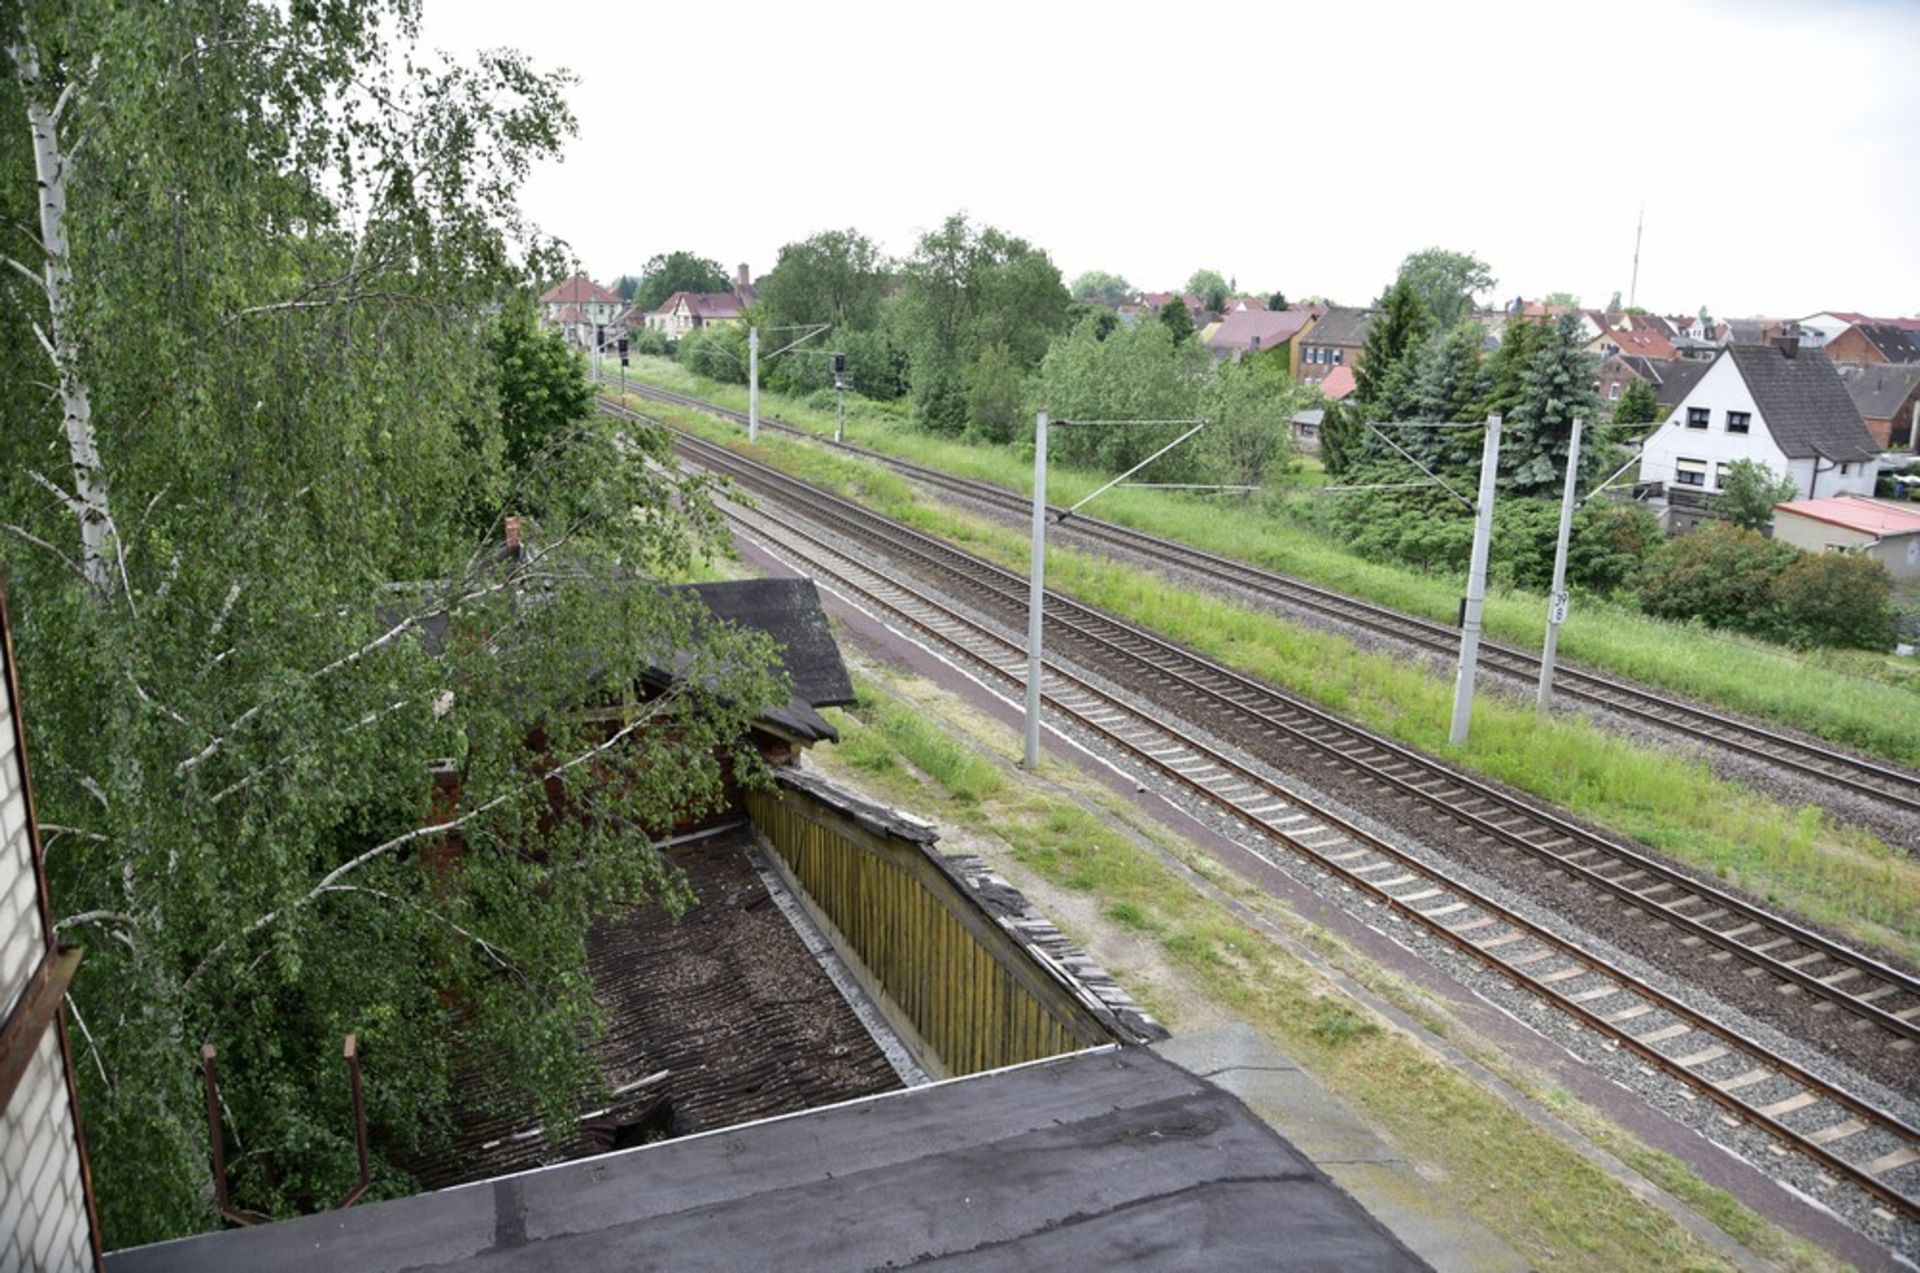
<point>1887,785</point>
<point>1848,1136</point>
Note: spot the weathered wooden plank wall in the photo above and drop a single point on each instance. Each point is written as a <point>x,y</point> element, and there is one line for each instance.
<point>976,996</point>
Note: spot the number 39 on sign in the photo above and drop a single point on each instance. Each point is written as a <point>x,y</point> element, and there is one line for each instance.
<point>1557,608</point>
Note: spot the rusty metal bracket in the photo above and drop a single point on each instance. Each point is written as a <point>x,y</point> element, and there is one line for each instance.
<point>352,1052</point>
<point>222,1198</point>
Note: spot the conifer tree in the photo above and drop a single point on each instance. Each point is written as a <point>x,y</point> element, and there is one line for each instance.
<point>1383,376</point>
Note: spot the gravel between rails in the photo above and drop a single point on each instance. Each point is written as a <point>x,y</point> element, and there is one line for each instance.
<point>1667,1094</point>
<point>1813,1021</point>
<point>1789,787</point>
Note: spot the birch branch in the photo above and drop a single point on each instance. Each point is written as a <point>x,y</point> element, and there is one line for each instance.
<point>26,273</point>
<point>493,952</point>
<point>429,831</point>
<point>38,542</point>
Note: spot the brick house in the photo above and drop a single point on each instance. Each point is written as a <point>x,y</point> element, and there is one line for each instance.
<point>1671,378</point>
<point>1888,395</point>
<point>1877,341</point>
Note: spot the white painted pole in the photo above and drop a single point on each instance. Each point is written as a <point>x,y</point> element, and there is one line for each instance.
<point>753,384</point>
<point>840,421</point>
<point>1557,599</point>
<point>1476,587</point>
<point>1036,588</point>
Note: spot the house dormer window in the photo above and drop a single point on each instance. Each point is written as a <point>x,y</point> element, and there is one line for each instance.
<point>1697,417</point>
<point>1739,421</point>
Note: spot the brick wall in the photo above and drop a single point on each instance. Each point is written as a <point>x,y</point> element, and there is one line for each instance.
<point>44,1217</point>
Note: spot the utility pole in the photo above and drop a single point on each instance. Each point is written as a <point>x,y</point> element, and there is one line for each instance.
<point>1633,286</point>
<point>1557,599</point>
<point>1475,603</point>
<point>1036,589</point>
<point>753,384</point>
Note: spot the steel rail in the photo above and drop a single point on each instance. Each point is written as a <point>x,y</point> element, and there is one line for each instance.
<point>1545,984</point>
<point>1865,777</point>
<point>1766,928</point>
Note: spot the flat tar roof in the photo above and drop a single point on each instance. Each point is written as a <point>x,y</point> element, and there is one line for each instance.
<point>1109,1158</point>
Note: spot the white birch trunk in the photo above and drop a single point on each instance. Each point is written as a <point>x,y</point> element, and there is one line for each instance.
<point>89,487</point>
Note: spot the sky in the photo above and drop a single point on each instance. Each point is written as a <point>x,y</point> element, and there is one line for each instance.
<point>1775,147</point>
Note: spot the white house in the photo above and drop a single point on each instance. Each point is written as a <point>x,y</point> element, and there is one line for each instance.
<point>1817,329</point>
<point>1782,406</point>
<point>581,307</point>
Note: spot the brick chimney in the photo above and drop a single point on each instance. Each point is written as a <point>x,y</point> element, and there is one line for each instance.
<point>513,536</point>
<point>1787,345</point>
<point>742,280</point>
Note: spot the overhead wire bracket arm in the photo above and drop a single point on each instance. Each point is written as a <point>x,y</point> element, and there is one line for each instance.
<point>1130,472</point>
<point>1375,430</point>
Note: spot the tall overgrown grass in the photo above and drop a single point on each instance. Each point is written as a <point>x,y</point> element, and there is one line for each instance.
<point>1860,699</point>
<point>1792,856</point>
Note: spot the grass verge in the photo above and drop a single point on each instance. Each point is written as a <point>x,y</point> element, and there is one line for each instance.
<point>1556,1208</point>
<point>1853,697</point>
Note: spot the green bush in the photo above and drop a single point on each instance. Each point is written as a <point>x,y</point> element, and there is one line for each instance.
<point>718,353</point>
<point>1841,599</point>
<point>1721,575</point>
<point>648,341</point>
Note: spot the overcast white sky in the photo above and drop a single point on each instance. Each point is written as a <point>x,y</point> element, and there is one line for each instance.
<point>1306,147</point>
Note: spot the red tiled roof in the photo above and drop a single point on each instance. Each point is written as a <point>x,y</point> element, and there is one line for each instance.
<point>579,290</point>
<point>1272,328</point>
<point>1879,518</point>
<point>1647,344</point>
<point>1337,384</point>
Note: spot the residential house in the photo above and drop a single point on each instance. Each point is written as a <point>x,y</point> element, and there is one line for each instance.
<point>1336,340</point>
<point>684,312</point>
<point>1255,332</point>
<point>1816,330</point>
<point>1774,404</point>
<point>580,308</point>
<point>1888,395</point>
<point>1642,341</point>
<point>1878,340</point>
<point>1885,530</point>
<point>1671,378</point>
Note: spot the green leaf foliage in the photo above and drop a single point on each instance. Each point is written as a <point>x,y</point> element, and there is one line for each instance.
<point>1638,404</point>
<point>967,288</point>
<point>1748,491</point>
<point>1445,284</point>
<point>297,302</point>
<point>682,271</point>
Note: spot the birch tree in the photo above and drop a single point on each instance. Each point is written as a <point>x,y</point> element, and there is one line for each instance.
<point>253,484</point>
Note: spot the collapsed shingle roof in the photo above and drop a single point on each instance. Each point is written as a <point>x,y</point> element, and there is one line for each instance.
<point>1804,403</point>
